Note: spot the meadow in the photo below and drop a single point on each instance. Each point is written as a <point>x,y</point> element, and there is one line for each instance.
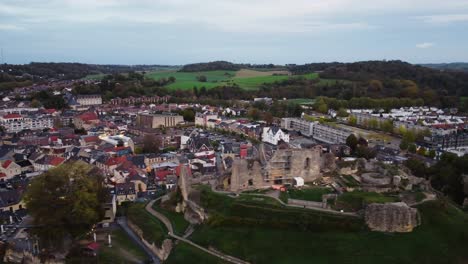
<point>246,79</point>
<point>259,236</point>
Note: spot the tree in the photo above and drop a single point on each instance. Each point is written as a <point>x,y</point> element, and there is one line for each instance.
<point>352,141</point>
<point>342,112</point>
<point>65,202</point>
<point>253,113</point>
<point>35,103</point>
<point>403,145</point>
<point>421,151</point>
<point>387,126</point>
<point>151,144</point>
<point>352,120</point>
<point>268,117</point>
<point>412,148</point>
<point>201,78</point>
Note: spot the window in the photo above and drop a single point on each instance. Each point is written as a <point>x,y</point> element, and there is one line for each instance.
<point>307,163</point>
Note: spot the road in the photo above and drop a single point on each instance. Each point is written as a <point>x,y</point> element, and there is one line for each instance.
<point>169,227</point>
<point>122,221</point>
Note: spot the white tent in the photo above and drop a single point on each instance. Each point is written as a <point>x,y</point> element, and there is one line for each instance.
<point>298,181</point>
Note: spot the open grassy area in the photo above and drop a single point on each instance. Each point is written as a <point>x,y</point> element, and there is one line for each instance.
<point>303,101</point>
<point>184,253</point>
<point>310,194</point>
<point>179,224</point>
<point>354,201</point>
<point>98,76</point>
<point>246,79</point>
<point>187,80</point>
<point>442,238</point>
<point>123,250</point>
<point>153,229</point>
<point>245,73</point>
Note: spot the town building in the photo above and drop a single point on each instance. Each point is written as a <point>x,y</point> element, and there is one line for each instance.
<point>89,99</point>
<point>273,135</point>
<point>159,120</point>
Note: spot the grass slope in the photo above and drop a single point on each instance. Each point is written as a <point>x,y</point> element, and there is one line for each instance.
<point>184,253</point>
<point>312,194</point>
<point>442,238</point>
<point>179,224</point>
<point>153,229</point>
<point>123,250</point>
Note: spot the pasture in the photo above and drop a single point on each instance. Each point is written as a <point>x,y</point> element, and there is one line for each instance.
<point>245,78</point>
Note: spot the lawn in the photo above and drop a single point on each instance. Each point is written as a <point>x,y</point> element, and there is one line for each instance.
<point>355,201</point>
<point>184,253</point>
<point>442,238</point>
<point>311,194</point>
<point>153,229</point>
<point>179,224</point>
<point>123,250</point>
<point>303,101</point>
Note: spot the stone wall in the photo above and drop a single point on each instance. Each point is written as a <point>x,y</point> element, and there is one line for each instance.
<point>392,217</point>
<point>284,165</point>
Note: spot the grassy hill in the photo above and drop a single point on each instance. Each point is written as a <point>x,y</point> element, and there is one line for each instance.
<point>262,234</point>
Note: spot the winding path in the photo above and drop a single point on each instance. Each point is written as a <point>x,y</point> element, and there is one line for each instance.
<point>169,227</point>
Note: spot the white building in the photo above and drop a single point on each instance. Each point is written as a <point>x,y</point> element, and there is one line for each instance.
<point>116,139</point>
<point>274,135</point>
<point>206,119</point>
<point>17,122</point>
<point>91,99</point>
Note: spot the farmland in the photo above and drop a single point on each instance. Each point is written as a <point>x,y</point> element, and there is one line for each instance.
<point>246,79</point>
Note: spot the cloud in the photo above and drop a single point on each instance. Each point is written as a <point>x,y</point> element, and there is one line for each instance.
<point>444,19</point>
<point>10,27</point>
<point>425,45</point>
<point>249,16</point>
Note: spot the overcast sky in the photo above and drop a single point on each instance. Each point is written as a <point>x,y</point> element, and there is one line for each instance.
<point>250,31</point>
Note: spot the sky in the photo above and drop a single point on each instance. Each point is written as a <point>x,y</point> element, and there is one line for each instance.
<point>243,31</point>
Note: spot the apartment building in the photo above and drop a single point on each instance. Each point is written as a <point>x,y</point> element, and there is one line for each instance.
<point>158,120</point>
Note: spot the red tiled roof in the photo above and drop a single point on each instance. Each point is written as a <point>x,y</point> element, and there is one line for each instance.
<point>6,164</point>
<point>50,111</point>
<point>189,170</point>
<point>56,161</point>
<point>162,174</point>
<point>115,161</point>
<point>53,138</point>
<point>93,246</point>
<point>2,175</point>
<point>7,116</point>
<point>91,139</point>
<point>89,116</point>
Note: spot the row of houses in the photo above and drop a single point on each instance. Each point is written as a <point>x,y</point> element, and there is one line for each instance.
<point>321,132</point>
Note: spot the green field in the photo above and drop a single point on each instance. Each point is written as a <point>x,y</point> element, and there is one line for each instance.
<point>153,229</point>
<point>312,194</point>
<point>354,201</point>
<point>303,101</point>
<point>261,234</point>
<point>184,253</point>
<point>187,80</point>
<point>123,250</point>
<point>179,224</point>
